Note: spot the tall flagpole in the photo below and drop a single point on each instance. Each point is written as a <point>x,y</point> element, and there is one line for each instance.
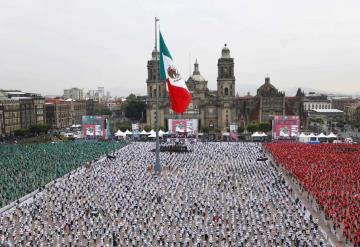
<point>157,151</point>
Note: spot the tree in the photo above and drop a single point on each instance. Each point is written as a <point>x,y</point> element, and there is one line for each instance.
<point>147,128</point>
<point>131,97</point>
<point>124,126</point>
<point>134,108</point>
<point>102,111</point>
<point>39,129</point>
<point>217,130</point>
<point>252,128</point>
<point>240,130</point>
<point>205,129</point>
<point>264,127</point>
<point>21,132</point>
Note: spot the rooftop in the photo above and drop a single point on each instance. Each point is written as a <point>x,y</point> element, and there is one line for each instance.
<point>327,111</point>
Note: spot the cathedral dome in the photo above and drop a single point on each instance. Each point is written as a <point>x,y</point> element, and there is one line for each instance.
<point>267,89</point>
<point>225,52</point>
<point>196,76</point>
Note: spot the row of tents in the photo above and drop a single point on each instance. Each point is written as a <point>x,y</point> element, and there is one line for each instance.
<point>320,137</point>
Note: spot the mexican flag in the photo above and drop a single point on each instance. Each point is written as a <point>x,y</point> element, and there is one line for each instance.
<point>179,94</point>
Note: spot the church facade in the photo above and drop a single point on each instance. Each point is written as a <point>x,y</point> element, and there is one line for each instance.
<point>217,109</point>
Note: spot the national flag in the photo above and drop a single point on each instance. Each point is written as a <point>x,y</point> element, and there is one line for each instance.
<point>179,94</point>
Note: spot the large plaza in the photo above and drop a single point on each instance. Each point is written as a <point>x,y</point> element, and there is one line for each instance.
<point>218,194</point>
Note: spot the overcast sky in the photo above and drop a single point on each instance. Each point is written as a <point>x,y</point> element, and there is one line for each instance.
<point>47,45</point>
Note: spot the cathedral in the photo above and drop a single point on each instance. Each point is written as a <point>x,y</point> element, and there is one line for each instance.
<point>217,109</point>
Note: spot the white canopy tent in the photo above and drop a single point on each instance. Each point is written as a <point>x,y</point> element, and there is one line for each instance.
<point>304,138</point>
<point>263,134</point>
<point>321,135</point>
<point>226,134</point>
<point>143,132</point>
<point>120,133</point>
<point>256,134</point>
<point>152,135</point>
<point>331,135</point>
<point>161,133</point>
<point>127,132</point>
<point>311,136</point>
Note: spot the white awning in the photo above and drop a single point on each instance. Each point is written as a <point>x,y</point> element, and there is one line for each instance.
<point>120,133</point>
<point>143,132</point>
<point>127,132</point>
<point>331,135</point>
<point>321,135</point>
<point>256,134</point>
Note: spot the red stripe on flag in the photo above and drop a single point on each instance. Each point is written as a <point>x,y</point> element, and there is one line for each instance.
<point>179,97</point>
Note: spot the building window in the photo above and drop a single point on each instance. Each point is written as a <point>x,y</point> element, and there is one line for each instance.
<point>226,91</point>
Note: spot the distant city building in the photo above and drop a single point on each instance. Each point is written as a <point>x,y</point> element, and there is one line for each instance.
<point>29,107</point>
<point>98,94</point>
<point>101,92</point>
<point>90,95</point>
<point>340,104</point>
<point>10,115</point>
<point>219,108</point>
<point>1,120</point>
<point>329,116</point>
<point>64,113</point>
<point>77,110</point>
<point>314,101</point>
<point>352,112</point>
<point>58,113</point>
<point>74,93</point>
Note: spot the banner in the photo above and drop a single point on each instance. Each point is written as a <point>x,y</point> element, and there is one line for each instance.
<point>135,129</point>
<point>286,126</point>
<point>233,132</point>
<point>188,126</point>
<point>95,127</point>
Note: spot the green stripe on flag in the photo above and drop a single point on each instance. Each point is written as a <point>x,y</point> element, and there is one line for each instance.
<point>163,50</point>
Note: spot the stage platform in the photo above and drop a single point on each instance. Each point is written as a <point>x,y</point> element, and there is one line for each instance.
<point>173,148</point>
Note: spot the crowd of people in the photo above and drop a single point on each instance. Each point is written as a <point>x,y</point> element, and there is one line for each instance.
<point>331,173</point>
<point>217,195</point>
<point>25,168</point>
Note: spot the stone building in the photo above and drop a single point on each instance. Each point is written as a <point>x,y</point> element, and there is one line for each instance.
<point>314,101</point>
<point>10,115</point>
<point>1,120</point>
<point>20,110</point>
<point>77,111</point>
<point>352,112</point>
<point>217,109</point>
<point>58,113</point>
<point>31,107</point>
<point>340,104</point>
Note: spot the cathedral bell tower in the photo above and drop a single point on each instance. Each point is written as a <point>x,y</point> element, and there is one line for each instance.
<point>153,75</point>
<point>226,78</point>
<point>226,90</point>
